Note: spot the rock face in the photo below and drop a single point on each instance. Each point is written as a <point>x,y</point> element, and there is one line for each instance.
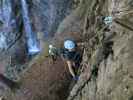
<point>107,58</point>
<point>8,27</point>
<point>47,14</point>
<point>108,52</point>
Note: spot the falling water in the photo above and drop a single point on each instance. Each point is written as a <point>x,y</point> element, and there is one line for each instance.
<point>8,27</point>
<point>5,12</point>
<point>33,46</point>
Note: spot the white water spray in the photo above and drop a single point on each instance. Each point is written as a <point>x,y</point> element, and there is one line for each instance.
<point>33,46</point>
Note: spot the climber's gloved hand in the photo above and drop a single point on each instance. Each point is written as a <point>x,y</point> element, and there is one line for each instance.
<point>76,78</point>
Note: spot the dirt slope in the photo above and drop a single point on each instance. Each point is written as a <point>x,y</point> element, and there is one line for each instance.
<point>43,81</point>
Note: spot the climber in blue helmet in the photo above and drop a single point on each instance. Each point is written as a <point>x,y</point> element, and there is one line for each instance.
<point>72,57</point>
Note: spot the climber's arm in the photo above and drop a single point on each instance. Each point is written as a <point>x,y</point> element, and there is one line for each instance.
<point>70,68</point>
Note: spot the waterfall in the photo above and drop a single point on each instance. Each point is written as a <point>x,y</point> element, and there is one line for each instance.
<point>7,24</point>
<point>5,12</point>
<point>33,46</point>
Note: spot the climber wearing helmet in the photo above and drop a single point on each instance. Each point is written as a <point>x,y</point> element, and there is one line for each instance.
<point>72,57</point>
<point>53,52</point>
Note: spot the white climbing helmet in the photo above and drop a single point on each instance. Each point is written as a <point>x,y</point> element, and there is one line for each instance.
<point>108,20</point>
<point>69,44</point>
<point>50,46</point>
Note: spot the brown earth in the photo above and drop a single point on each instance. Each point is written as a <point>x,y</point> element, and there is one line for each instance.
<point>43,81</point>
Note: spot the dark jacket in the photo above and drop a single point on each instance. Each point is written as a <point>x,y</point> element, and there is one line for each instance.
<point>74,56</point>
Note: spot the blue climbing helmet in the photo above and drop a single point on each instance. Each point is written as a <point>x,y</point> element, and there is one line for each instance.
<point>69,44</point>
